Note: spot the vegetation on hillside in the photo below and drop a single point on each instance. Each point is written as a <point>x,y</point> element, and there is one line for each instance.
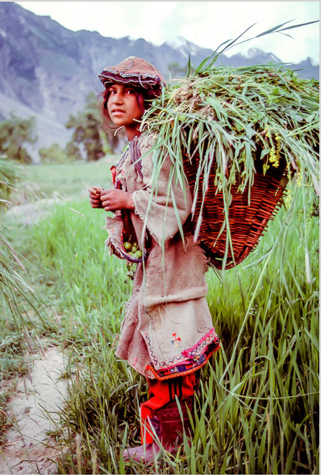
<point>89,132</point>
<point>15,134</point>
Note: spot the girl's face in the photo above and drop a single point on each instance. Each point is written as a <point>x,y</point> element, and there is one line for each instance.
<point>123,108</point>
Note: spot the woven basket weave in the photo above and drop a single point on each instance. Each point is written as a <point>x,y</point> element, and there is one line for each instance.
<point>247,221</point>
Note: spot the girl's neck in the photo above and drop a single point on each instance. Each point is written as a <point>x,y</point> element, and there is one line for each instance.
<point>132,132</point>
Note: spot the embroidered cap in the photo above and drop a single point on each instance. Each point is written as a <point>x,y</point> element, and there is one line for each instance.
<point>134,72</point>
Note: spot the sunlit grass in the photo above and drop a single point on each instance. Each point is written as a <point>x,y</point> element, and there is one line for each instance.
<point>257,403</point>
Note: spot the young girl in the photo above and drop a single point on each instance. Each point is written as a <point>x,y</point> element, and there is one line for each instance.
<point>167,334</point>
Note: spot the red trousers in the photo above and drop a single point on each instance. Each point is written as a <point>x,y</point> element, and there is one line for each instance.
<point>160,394</point>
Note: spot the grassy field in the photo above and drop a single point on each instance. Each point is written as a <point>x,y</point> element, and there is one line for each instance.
<point>257,403</point>
<point>64,181</point>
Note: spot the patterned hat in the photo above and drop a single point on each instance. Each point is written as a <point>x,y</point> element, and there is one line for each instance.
<point>134,72</point>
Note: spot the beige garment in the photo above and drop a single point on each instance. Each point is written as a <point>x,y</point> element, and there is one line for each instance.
<point>167,330</point>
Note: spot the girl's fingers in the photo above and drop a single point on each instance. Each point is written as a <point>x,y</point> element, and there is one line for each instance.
<point>107,205</point>
<point>95,203</point>
<point>95,196</point>
<point>95,191</point>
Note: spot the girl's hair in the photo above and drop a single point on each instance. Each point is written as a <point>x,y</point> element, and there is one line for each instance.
<point>143,97</point>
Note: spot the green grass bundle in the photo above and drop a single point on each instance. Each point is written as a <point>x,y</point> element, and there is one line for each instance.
<point>237,111</point>
<point>226,125</point>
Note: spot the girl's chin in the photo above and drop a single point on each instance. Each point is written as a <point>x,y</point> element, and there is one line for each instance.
<point>129,126</point>
<point>118,122</point>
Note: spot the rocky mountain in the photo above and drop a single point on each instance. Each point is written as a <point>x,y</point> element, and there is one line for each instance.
<point>47,70</point>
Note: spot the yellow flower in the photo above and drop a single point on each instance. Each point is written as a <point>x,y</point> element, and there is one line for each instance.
<point>299,178</point>
<point>288,199</point>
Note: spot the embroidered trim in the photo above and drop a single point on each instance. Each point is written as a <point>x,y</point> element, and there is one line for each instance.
<point>183,369</point>
<point>145,80</point>
<point>128,75</point>
<point>187,355</point>
<point>187,362</point>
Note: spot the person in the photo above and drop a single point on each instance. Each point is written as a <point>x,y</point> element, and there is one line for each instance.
<point>167,333</point>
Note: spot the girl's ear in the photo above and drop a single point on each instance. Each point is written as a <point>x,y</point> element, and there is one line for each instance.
<point>140,100</point>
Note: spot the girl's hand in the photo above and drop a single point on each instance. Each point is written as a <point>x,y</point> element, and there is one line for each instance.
<point>94,197</point>
<point>113,200</point>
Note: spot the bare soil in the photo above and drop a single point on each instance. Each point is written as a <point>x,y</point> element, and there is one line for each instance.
<point>29,448</point>
<point>31,213</point>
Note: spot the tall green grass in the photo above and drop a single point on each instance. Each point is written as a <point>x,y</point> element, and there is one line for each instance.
<point>17,301</point>
<point>257,402</point>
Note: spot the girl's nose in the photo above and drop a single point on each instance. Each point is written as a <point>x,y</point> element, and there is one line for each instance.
<point>118,98</point>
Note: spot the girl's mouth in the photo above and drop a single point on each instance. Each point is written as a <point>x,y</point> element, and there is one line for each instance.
<point>117,112</point>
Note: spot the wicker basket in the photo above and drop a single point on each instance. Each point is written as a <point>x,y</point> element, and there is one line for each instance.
<point>247,221</point>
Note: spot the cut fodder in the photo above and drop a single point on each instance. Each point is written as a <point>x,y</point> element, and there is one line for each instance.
<point>238,135</point>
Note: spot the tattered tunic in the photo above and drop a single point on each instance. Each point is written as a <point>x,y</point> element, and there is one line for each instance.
<point>167,330</point>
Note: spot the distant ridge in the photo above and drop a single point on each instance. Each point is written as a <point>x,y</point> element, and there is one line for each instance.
<point>47,70</point>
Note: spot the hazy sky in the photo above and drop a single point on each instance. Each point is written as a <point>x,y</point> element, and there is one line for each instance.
<point>205,23</point>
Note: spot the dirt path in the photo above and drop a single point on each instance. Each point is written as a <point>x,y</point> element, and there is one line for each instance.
<point>31,213</point>
<point>28,448</point>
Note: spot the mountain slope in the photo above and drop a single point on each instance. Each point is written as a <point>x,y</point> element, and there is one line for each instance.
<point>47,70</point>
